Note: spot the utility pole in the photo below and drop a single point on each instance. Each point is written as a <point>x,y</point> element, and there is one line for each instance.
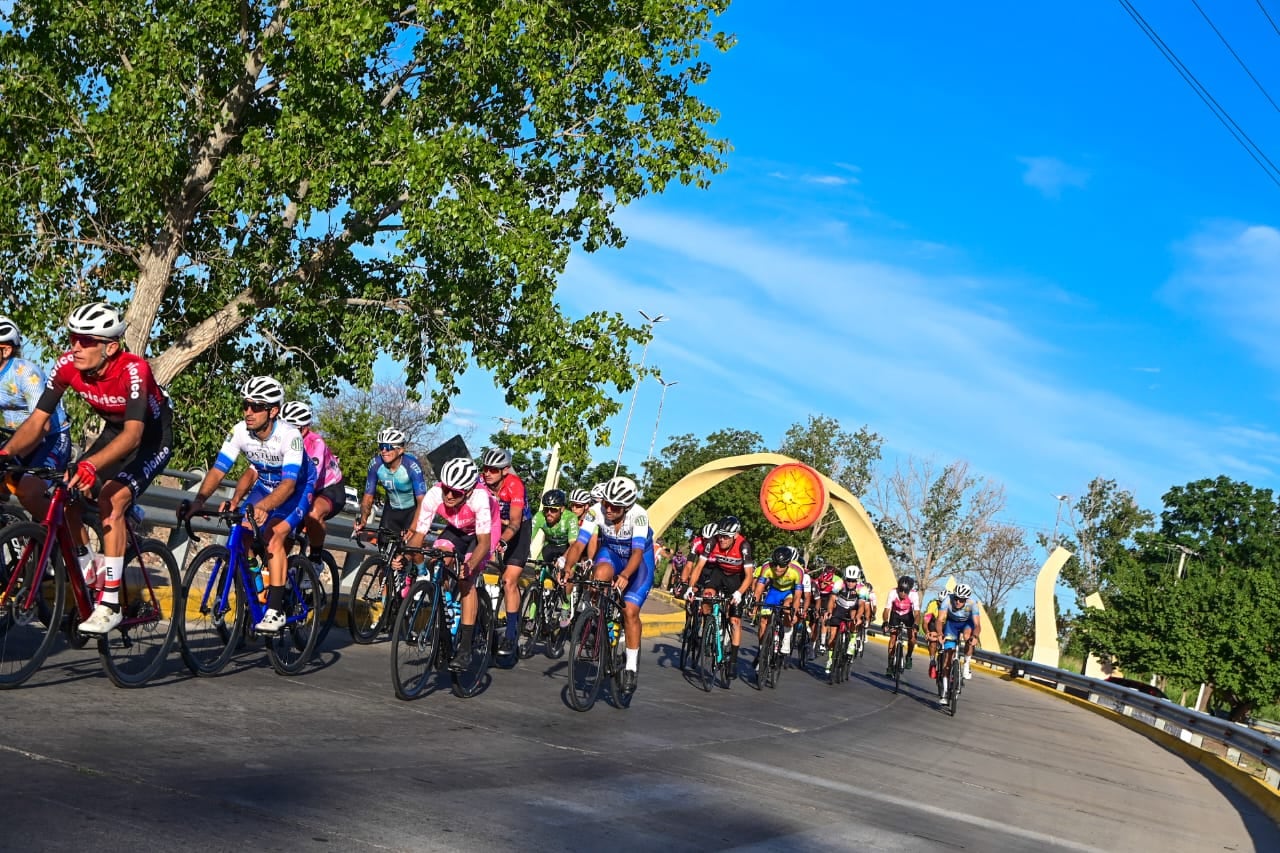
<point>650,322</point>
<point>506,423</point>
<point>658,419</point>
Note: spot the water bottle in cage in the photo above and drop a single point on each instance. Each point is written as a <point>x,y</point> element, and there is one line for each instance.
<point>452,613</point>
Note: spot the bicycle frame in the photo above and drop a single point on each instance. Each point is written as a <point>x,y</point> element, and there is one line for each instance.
<point>237,571</point>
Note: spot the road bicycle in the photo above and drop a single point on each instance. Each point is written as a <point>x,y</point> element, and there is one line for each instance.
<point>596,646</point>
<point>898,662</point>
<point>950,680</point>
<point>330,590</point>
<point>377,588</point>
<point>427,625</point>
<point>770,658</point>
<point>711,658</point>
<point>545,614</point>
<point>225,597</point>
<point>843,645</point>
<point>38,564</point>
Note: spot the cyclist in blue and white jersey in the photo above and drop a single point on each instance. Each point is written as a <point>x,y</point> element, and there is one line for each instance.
<point>282,493</point>
<point>21,384</point>
<point>621,528</point>
<point>400,474</point>
<point>959,620</point>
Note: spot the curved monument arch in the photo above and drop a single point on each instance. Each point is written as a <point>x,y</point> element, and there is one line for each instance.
<point>853,517</point>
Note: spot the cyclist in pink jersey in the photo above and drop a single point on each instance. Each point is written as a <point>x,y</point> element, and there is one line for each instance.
<point>330,494</point>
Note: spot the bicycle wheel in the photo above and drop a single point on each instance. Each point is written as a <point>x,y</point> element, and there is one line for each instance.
<point>532,616</point>
<point>213,615</point>
<point>31,601</point>
<point>727,661</point>
<point>617,663</point>
<point>292,648</point>
<point>777,659</point>
<point>557,634</point>
<point>689,636</point>
<point>415,641</point>
<point>953,689</point>
<point>470,681</point>
<point>587,644</point>
<point>330,592</point>
<point>704,655</point>
<point>368,600</point>
<point>800,642</point>
<point>897,663</point>
<point>151,603</point>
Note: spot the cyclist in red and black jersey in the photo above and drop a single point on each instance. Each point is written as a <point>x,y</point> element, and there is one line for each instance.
<point>513,542</point>
<point>697,549</point>
<point>731,570</point>
<point>135,444</point>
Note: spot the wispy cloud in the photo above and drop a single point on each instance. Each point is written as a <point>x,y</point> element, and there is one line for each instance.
<point>830,180</point>
<point>1051,176</point>
<point>1146,369</point>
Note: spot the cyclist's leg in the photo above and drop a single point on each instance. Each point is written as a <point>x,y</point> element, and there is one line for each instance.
<point>788,614</point>
<point>967,639</point>
<point>517,554</point>
<point>633,598</point>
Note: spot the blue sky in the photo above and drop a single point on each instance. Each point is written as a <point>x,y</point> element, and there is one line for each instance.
<point>1003,232</point>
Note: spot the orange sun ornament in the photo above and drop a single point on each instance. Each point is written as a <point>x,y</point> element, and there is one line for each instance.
<point>793,496</point>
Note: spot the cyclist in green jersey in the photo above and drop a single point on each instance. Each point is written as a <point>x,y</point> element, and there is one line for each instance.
<point>558,527</point>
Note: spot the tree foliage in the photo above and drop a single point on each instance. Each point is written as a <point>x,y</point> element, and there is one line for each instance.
<point>1002,562</point>
<point>739,495</point>
<point>304,187</point>
<point>1103,524</point>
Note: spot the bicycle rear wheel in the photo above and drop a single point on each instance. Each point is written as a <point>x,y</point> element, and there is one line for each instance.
<point>213,616</point>
<point>293,646</point>
<point>151,603</point>
<point>471,680</point>
<point>532,618</point>
<point>369,598</point>
<point>415,641</point>
<point>31,601</point>
<point>330,592</point>
<point>588,643</point>
<point>557,635</point>
<point>704,656</point>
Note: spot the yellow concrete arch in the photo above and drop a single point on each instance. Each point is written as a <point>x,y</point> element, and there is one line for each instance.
<point>857,523</point>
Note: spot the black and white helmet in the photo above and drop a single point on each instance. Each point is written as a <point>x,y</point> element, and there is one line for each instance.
<point>391,435</point>
<point>709,529</point>
<point>962,591</point>
<point>297,413</point>
<point>495,457</point>
<point>729,526</point>
<point>459,474</point>
<point>263,389</point>
<point>9,333</point>
<point>580,496</point>
<point>852,573</point>
<point>597,492</point>
<point>620,491</point>
<point>98,320</point>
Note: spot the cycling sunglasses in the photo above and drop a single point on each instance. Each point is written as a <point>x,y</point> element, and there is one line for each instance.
<point>87,341</point>
<point>256,407</point>
<point>453,493</point>
<point>385,447</point>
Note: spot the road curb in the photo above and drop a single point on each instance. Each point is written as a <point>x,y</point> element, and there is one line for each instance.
<point>1262,795</point>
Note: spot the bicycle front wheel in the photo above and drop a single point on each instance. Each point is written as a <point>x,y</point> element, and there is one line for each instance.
<point>704,656</point>
<point>294,645</point>
<point>415,641</point>
<point>330,592</point>
<point>953,689</point>
<point>470,681</point>
<point>368,600</point>
<point>213,612</point>
<point>31,601</point>
<point>151,604</point>
<point>532,617</point>
<point>588,644</point>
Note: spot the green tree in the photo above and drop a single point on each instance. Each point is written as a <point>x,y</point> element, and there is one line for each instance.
<point>1103,524</point>
<point>1002,562</point>
<point>1019,636</point>
<point>309,186</point>
<point>739,495</point>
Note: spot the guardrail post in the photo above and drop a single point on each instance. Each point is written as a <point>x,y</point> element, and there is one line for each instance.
<point>1273,777</point>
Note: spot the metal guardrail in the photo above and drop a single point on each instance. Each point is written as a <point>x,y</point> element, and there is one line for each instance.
<point>1185,724</point>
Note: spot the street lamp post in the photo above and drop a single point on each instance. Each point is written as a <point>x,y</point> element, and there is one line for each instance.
<point>658,419</point>
<point>650,322</point>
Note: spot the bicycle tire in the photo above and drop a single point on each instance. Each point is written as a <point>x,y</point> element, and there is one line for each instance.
<point>151,600</point>
<point>897,663</point>
<point>27,632</point>
<point>779,657</point>
<point>954,689</point>
<point>293,646</point>
<point>532,617</point>
<point>587,642</point>
<point>369,600</point>
<point>471,681</point>
<point>331,588</point>
<point>688,638</point>
<point>415,640</point>
<point>557,634</point>
<point>618,662</point>
<point>704,662</point>
<point>213,612</point>
<point>799,643</point>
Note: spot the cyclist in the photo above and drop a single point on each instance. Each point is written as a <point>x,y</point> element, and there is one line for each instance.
<point>697,548</point>
<point>929,623</point>
<point>330,493</point>
<point>824,582</point>
<point>513,538</point>
<point>135,443</point>
<point>901,610</point>
<point>579,502</point>
<point>625,556</point>
<point>958,619</point>
<point>558,527</point>
<point>468,514</point>
<point>282,491</point>
<point>777,581</point>
<point>843,606</point>
<point>400,475</point>
<point>731,570</point>
<point>21,383</point>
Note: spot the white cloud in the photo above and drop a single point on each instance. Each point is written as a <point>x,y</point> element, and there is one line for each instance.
<point>830,180</point>
<point>1051,176</point>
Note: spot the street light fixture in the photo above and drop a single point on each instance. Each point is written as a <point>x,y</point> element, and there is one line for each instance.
<point>650,322</point>
<point>658,419</point>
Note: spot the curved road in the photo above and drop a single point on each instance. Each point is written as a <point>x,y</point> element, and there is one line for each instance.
<point>330,760</point>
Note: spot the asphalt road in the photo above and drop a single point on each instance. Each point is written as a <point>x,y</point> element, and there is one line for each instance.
<point>330,760</point>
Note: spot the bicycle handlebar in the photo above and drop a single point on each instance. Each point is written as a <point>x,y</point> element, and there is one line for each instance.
<point>230,517</point>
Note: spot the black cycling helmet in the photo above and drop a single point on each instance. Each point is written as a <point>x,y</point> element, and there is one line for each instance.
<point>781,556</point>
<point>729,526</point>
<point>906,583</point>
<point>554,497</point>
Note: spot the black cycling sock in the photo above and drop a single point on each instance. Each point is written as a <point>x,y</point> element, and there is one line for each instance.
<point>466,633</point>
<point>275,597</point>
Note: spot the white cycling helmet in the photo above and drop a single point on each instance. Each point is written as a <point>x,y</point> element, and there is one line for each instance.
<point>962,591</point>
<point>263,389</point>
<point>620,491</point>
<point>597,491</point>
<point>852,573</point>
<point>98,320</point>
<point>709,529</point>
<point>580,496</point>
<point>296,413</point>
<point>9,333</point>
<point>495,457</point>
<point>459,474</point>
<point>391,435</point>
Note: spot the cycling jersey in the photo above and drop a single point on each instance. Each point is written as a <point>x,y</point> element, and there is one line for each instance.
<point>825,582</point>
<point>931,612</point>
<point>966,613</point>
<point>784,579</point>
<point>404,485</point>
<point>511,499</point>
<point>276,458</point>
<point>124,390</point>
<point>733,560</point>
<point>326,464</point>
<point>559,534</point>
<point>617,542</point>
<point>21,382</point>
<point>903,605</point>
<point>472,517</point>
